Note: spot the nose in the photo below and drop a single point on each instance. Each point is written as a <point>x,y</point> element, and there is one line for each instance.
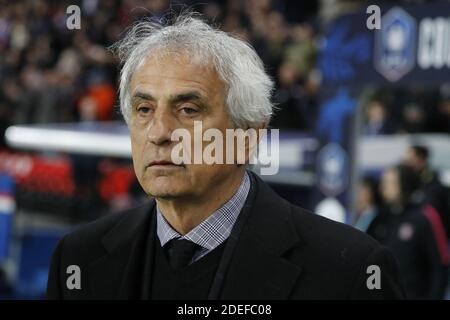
<point>160,128</point>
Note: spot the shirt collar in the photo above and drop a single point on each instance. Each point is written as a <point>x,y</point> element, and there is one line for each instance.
<point>216,228</point>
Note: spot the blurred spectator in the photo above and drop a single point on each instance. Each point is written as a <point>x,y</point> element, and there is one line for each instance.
<point>367,203</point>
<point>290,102</point>
<point>413,119</point>
<point>297,88</point>
<point>413,233</point>
<point>97,103</point>
<point>434,193</point>
<point>331,9</point>
<point>377,121</point>
<point>442,120</point>
<point>302,51</point>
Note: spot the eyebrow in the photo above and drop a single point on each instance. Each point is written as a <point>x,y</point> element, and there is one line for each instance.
<point>173,99</point>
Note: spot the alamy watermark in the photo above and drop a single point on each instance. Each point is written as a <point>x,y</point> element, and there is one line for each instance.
<point>373,22</point>
<point>237,146</point>
<point>374,279</point>
<point>73,21</point>
<point>73,281</point>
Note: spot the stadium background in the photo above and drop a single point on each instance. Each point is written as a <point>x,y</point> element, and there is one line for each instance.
<point>348,109</point>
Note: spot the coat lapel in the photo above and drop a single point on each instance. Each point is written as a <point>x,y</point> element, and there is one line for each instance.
<point>259,268</point>
<point>118,274</point>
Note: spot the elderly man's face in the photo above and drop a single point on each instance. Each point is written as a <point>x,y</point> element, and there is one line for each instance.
<point>168,93</point>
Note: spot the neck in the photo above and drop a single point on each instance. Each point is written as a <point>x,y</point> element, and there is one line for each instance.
<point>186,213</point>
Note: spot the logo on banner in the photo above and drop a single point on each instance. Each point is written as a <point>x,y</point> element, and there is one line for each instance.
<point>332,171</point>
<point>395,44</point>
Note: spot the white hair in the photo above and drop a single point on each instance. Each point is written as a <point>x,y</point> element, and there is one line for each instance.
<point>248,87</point>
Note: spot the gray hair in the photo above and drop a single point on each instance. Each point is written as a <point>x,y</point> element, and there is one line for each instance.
<point>248,87</point>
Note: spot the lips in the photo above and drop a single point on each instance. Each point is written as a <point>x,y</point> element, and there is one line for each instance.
<point>167,163</point>
<point>161,163</point>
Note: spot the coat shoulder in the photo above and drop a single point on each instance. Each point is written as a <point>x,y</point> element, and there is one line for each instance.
<point>93,231</point>
<point>88,238</point>
<point>332,239</point>
<point>337,260</point>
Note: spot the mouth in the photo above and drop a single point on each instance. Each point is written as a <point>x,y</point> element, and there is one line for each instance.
<point>163,164</point>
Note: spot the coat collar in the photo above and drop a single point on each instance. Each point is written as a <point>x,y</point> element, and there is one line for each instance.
<point>259,267</point>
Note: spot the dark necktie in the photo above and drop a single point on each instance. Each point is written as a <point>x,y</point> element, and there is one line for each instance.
<point>180,252</point>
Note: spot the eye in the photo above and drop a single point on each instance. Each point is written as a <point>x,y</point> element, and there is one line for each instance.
<point>144,109</point>
<point>189,109</point>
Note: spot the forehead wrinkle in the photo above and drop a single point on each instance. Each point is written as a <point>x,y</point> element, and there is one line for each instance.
<point>145,78</point>
<point>180,89</point>
<point>183,58</point>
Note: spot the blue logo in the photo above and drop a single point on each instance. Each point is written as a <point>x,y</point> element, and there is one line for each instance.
<point>332,170</point>
<point>395,44</point>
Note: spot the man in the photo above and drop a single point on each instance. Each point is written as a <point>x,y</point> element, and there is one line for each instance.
<point>209,231</point>
<point>431,188</point>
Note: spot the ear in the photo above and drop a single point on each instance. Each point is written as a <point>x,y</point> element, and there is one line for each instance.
<point>260,130</point>
<point>254,137</point>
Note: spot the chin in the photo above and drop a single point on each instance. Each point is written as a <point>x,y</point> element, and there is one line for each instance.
<point>168,195</point>
<point>165,196</point>
<point>166,189</point>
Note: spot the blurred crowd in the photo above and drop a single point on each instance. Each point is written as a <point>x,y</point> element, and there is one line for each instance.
<point>408,111</point>
<point>408,211</point>
<point>49,73</point>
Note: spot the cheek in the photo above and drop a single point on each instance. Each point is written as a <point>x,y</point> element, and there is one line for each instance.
<point>135,153</point>
<point>137,156</point>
